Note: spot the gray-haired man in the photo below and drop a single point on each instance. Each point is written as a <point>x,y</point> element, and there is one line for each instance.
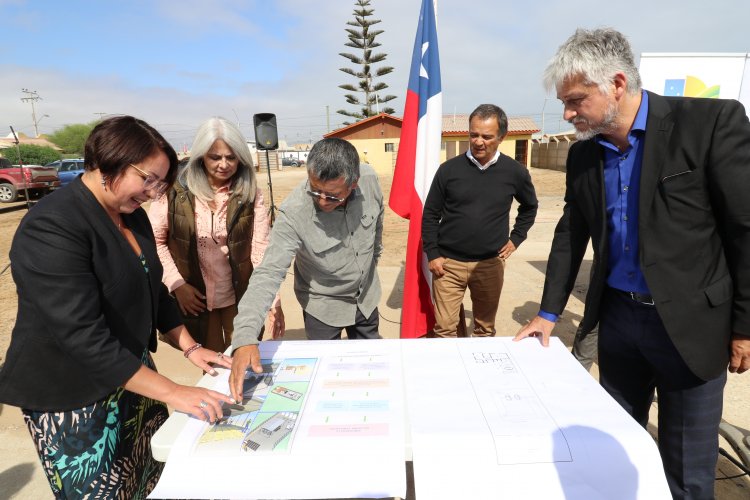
<point>659,187</point>
<point>332,226</point>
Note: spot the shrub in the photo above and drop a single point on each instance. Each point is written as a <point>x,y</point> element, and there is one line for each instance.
<point>31,154</point>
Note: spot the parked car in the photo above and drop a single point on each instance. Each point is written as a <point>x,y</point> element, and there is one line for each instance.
<point>37,179</point>
<point>67,169</point>
<point>290,161</point>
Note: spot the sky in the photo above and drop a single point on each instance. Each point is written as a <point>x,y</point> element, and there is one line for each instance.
<point>175,63</point>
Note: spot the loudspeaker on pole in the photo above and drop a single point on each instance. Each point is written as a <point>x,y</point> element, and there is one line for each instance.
<point>266,136</point>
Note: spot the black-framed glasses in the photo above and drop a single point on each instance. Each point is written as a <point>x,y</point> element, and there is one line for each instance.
<point>152,183</point>
<point>326,197</point>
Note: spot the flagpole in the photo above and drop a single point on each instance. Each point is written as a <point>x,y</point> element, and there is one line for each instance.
<point>417,161</point>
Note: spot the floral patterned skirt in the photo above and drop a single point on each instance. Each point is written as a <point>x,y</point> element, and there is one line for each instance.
<point>102,450</point>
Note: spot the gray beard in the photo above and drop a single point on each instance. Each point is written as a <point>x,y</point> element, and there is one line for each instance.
<point>607,124</point>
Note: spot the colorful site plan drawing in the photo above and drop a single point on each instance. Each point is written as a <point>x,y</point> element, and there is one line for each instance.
<point>266,419</point>
<point>351,399</point>
<point>316,423</point>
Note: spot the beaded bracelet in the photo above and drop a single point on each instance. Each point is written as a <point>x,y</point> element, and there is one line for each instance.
<point>190,350</point>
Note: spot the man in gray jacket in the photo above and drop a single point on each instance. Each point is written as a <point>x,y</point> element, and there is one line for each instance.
<point>331,225</point>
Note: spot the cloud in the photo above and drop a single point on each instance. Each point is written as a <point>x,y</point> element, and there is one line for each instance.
<point>235,58</point>
<point>218,15</point>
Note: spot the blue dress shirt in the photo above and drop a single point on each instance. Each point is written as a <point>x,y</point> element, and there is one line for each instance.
<point>622,175</point>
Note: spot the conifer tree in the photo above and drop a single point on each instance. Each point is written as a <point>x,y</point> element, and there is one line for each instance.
<point>362,37</point>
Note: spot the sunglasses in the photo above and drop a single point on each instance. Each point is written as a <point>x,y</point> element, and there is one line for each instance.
<point>326,197</point>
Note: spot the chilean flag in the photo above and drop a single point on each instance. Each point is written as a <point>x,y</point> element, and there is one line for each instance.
<point>416,164</point>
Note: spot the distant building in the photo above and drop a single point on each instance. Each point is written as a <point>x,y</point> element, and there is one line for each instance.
<point>550,151</point>
<point>516,145</point>
<point>377,138</point>
<point>9,141</point>
<point>298,153</point>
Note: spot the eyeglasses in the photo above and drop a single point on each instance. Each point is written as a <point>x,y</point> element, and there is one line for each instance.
<point>152,183</point>
<point>326,197</point>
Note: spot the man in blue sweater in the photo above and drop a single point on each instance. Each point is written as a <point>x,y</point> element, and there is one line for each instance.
<point>465,226</point>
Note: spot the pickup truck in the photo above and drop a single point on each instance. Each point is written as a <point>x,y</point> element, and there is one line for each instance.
<point>14,179</point>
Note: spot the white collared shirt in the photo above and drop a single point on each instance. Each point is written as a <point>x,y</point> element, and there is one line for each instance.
<point>476,162</point>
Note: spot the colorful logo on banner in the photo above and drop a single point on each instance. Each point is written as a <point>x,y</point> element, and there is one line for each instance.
<point>690,86</point>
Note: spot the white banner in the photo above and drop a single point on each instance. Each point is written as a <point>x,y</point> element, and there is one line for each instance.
<point>712,75</point>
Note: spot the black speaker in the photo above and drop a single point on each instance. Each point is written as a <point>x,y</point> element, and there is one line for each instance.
<point>266,136</point>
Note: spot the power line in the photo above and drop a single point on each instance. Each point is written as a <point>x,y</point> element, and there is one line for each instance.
<point>32,96</point>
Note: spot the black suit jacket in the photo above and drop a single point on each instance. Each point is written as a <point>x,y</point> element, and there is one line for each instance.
<point>694,226</point>
<point>87,310</point>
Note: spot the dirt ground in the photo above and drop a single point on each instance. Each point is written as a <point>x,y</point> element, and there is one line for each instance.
<point>520,301</point>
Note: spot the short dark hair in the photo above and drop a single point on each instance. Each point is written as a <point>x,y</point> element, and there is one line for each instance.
<point>487,111</point>
<point>333,158</point>
<point>117,142</point>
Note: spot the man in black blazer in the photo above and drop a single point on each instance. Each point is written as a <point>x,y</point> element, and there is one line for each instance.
<point>661,186</point>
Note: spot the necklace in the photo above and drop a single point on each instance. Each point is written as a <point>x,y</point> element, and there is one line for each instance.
<point>118,222</point>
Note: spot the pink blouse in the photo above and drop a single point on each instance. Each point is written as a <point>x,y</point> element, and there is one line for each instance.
<point>211,234</point>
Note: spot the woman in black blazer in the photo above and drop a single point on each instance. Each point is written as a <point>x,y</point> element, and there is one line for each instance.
<point>90,301</point>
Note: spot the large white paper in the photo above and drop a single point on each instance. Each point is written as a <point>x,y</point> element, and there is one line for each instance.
<point>487,419</point>
<point>491,418</point>
<point>323,420</point>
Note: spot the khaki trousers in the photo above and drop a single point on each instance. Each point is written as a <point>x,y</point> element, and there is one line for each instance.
<point>220,326</point>
<point>484,279</point>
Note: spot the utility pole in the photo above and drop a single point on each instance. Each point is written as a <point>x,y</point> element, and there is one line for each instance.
<point>25,178</point>
<point>328,119</point>
<point>32,97</point>
<point>543,106</point>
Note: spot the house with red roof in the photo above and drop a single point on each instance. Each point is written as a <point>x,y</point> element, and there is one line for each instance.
<point>376,138</point>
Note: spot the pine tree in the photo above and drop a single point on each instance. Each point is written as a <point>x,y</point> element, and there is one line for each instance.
<point>363,38</point>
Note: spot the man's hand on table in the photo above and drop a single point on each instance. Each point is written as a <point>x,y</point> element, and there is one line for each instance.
<point>242,358</point>
<point>537,327</point>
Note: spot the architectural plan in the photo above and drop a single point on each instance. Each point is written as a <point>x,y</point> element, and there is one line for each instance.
<point>520,421</point>
<point>522,429</point>
<point>266,419</point>
<point>487,418</point>
<point>320,409</point>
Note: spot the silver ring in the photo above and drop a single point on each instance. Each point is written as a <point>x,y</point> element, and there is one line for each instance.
<point>220,355</point>
<point>203,404</point>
